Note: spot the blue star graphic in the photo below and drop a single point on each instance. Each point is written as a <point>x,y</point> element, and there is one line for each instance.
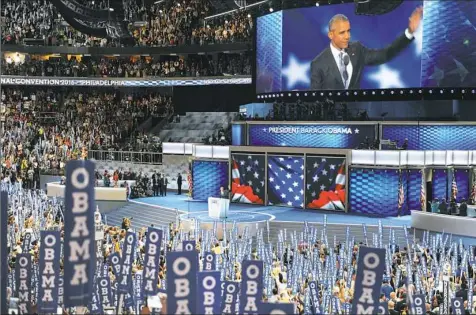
<point>296,72</point>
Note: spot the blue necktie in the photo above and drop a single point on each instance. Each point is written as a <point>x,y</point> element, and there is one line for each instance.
<point>343,69</point>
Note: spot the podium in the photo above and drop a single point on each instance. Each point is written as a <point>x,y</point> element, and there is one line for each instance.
<point>218,207</point>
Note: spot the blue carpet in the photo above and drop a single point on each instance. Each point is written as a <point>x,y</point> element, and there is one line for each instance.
<point>281,213</point>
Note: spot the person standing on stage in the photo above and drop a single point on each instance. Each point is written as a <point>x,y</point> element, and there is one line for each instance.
<point>179,184</point>
<point>166,182</point>
<point>161,185</point>
<point>155,187</point>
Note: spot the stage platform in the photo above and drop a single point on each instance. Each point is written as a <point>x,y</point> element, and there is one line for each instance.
<point>444,223</point>
<point>254,213</point>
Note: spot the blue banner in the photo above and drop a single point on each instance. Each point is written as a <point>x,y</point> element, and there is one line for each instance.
<point>105,297</point>
<point>182,268</point>
<point>458,306</point>
<point>139,298</point>
<point>115,262</point>
<point>151,261</point>
<point>383,308</point>
<point>35,273</point>
<point>95,306</point>
<point>23,280</point>
<point>209,262</point>
<point>252,286</point>
<point>314,296</point>
<point>209,288</point>
<point>417,304</point>
<point>188,246</point>
<point>49,271</point>
<point>370,270</point>
<point>345,136</point>
<point>79,251</point>
<point>4,274</point>
<point>128,250</point>
<point>277,308</point>
<point>229,298</point>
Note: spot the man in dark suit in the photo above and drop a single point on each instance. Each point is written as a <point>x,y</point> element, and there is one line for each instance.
<point>340,65</point>
<point>179,184</point>
<point>463,209</point>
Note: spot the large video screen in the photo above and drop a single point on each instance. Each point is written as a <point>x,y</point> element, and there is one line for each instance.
<point>400,49</point>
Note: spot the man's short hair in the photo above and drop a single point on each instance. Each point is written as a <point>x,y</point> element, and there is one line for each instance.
<point>335,18</point>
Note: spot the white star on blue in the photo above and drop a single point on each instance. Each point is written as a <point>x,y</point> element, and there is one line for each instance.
<point>296,72</point>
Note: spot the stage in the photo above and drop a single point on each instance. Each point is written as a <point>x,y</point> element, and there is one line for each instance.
<point>255,213</point>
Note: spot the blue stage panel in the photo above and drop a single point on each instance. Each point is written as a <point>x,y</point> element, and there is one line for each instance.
<point>374,191</point>
<point>440,184</point>
<point>414,179</point>
<point>208,177</point>
<point>436,137</point>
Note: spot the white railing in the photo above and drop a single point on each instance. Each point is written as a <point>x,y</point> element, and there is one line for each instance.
<point>197,150</point>
<point>413,158</point>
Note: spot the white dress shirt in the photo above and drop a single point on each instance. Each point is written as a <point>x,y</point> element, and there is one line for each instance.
<point>336,53</point>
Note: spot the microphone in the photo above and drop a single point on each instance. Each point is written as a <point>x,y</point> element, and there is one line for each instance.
<point>346,59</point>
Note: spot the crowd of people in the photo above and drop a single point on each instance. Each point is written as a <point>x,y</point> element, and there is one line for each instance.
<point>46,128</point>
<point>168,23</point>
<point>290,265</point>
<point>166,66</point>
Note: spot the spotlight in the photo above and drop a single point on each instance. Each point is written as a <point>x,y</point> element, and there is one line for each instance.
<point>317,4</point>
<point>419,91</point>
<point>271,10</point>
<point>338,93</point>
<point>391,92</point>
<point>373,92</point>
<point>355,93</point>
<point>452,91</point>
<point>401,92</point>
<point>347,93</point>
<point>330,93</point>
<point>431,91</point>
<point>297,94</point>
<point>322,94</point>
<point>249,15</point>
<point>382,92</point>
<point>314,94</point>
<point>305,94</point>
<point>411,91</point>
<point>463,91</point>
<point>441,91</point>
<point>365,93</point>
<point>282,95</point>
<point>472,91</point>
<point>289,94</point>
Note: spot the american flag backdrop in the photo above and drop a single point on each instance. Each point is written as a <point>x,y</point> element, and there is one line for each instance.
<point>454,187</point>
<point>325,183</point>
<point>286,181</point>
<point>247,178</point>
<point>473,189</point>
<point>401,193</point>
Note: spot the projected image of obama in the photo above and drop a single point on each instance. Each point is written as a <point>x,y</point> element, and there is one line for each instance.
<point>341,64</point>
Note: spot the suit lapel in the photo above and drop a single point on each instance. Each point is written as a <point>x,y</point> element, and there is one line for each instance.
<point>334,69</point>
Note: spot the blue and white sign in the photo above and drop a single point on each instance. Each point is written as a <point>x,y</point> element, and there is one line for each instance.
<point>188,246</point>
<point>209,296</point>
<point>23,280</point>
<point>182,282</point>
<point>345,136</point>
<point>277,308</point>
<point>209,263</point>
<point>458,306</point>
<point>128,250</point>
<point>49,271</point>
<point>252,286</point>
<point>370,270</point>
<point>79,251</point>
<point>151,262</point>
<point>229,298</point>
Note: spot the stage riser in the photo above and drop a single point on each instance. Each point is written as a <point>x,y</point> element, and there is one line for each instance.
<point>464,226</point>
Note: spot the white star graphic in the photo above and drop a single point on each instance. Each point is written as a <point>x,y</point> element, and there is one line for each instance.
<point>262,183</point>
<point>308,186</point>
<point>257,189</point>
<point>387,78</point>
<point>323,187</point>
<point>283,196</point>
<point>288,166</point>
<point>296,72</point>
<point>302,167</point>
<point>323,160</point>
<point>288,175</point>
<point>277,187</point>
<point>250,183</point>
<point>264,130</point>
<point>281,159</point>
<point>270,166</point>
<point>290,189</point>
<point>290,203</point>
<point>271,179</point>
<point>324,172</point>
<point>242,162</point>
<point>315,165</point>
<point>249,157</point>
<point>301,192</point>
<point>295,184</point>
<point>256,162</point>
<point>332,167</point>
<point>313,194</point>
<point>296,198</point>
<point>256,175</point>
<point>248,168</point>
<point>315,178</point>
<point>356,130</point>
<point>301,176</point>
<point>296,161</point>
